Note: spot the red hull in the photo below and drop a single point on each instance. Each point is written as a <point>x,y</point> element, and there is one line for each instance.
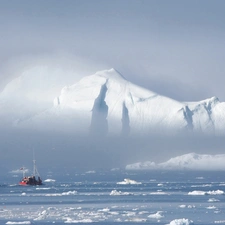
<point>22,183</point>
<point>30,181</point>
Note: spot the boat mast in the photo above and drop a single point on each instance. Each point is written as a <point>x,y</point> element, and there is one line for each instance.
<point>23,171</point>
<point>35,171</point>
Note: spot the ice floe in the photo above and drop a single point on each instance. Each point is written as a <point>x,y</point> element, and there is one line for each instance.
<point>69,220</point>
<point>115,192</point>
<point>213,200</point>
<point>69,193</point>
<point>128,181</point>
<point>181,222</point>
<point>211,207</point>
<point>49,180</point>
<point>156,215</point>
<point>218,192</point>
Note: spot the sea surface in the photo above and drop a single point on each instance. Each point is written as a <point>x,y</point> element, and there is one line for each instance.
<point>104,197</point>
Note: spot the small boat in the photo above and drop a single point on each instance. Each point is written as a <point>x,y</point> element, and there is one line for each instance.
<point>34,179</point>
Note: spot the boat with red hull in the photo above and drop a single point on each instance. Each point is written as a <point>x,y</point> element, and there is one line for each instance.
<point>34,179</point>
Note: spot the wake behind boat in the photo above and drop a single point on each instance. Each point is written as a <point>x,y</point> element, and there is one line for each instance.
<point>34,179</point>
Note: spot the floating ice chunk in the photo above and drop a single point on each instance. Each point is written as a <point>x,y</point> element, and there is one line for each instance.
<point>191,206</point>
<point>156,215</point>
<point>182,206</point>
<point>181,222</point>
<point>49,180</point>
<point>115,192</point>
<point>196,193</point>
<point>42,215</point>
<point>211,207</point>
<point>219,221</point>
<point>23,194</point>
<point>21,222</point>
<point>218,192</point>
<point>128,181</point>
<point>213,200</point>
<point>69,220</point>
<point>70,193</point>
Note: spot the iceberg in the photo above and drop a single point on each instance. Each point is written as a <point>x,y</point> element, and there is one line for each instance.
<point>107,104</point>
<point>190,161</point>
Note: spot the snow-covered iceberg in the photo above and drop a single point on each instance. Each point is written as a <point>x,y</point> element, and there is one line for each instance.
<point>191,161</point>
<point>105,103</point>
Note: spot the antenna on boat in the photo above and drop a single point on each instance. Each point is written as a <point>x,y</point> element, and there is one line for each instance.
<point>35,171</point>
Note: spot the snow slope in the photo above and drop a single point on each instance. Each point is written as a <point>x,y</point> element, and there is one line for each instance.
<point>191,161</point>
<point>107,104</point>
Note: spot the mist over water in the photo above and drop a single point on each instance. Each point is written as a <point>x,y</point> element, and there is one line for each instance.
<point>63,150</point>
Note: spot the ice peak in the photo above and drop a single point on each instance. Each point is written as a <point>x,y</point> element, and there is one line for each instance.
<point>110,74</point>
<point>211,100</point>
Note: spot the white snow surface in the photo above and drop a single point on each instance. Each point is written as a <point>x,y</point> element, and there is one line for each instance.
<point>110,104</point>
<point>191,161</point>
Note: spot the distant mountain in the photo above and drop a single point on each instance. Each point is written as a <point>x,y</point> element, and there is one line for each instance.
<point>191,161</point>
<point>106,104</point>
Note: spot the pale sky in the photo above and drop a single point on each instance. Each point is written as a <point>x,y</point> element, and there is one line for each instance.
<point>175,48</point>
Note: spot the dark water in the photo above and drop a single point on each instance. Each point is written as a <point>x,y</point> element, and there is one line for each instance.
<point>99,197</point>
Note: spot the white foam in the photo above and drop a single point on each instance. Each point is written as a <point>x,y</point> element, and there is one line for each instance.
<point>53,195</point>
<point>43,188</point>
